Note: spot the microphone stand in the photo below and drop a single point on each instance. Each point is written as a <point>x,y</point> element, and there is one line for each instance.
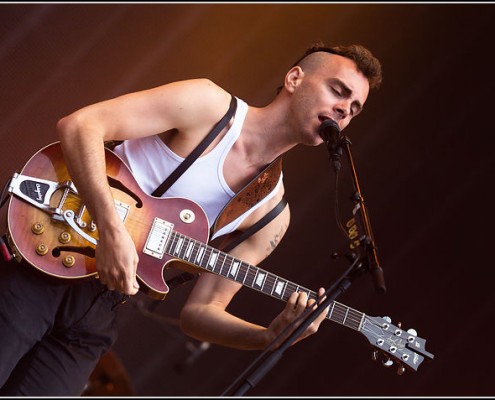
<point>367,241</point>
<point>267,360</point>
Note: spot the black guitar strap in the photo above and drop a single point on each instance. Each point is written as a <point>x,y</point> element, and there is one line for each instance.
<point>257,226</point>
<point>170,180</point>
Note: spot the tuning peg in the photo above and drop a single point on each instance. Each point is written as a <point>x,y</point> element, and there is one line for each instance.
<point>388,319</point>
<point>401,370</point>
<point>412,332</point>
<point>374,355</point>
<point>387,362</point>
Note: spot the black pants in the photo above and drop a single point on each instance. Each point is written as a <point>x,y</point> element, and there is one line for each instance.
<point>52,331</point>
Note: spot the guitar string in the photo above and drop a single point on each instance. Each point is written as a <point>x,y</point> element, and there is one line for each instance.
<point>340,313</point>
<point>337,312</point>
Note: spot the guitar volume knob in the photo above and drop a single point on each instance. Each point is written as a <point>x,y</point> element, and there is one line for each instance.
<point>69,261</point>
<point>38,228</point>
<point>42,249</point>
<point>64,237</point>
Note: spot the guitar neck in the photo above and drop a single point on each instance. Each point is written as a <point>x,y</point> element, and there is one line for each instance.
<point>213,260</point>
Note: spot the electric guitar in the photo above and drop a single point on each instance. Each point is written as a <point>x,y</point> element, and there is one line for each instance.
<point>50,228</point>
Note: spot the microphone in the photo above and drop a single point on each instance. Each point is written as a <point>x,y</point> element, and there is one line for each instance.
<point>330,133</point>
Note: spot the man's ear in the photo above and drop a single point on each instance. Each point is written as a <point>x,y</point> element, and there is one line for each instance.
<point>293,78</point>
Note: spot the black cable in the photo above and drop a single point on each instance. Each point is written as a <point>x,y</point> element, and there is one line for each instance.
<point>3,196</point>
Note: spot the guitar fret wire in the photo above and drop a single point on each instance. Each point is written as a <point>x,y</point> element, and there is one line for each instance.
<point>199,257</point>
<point>330,311</point>
<point>178,245</point>
<point>234,268</point>
<point>244,272</point>
<point>345,316</point>
<point>183,247</point>
<point>204,256</point>
<point>211,257</point>
<point>261,279</point>
<point>189,249</point>
<point>171,243</point>
<point>273,282</point>
<point>195,251</point>
<point>256,278</point>
<point>223,264</point>
<point>344,320</point>
<point>219,263</point>
<point>249,274</point>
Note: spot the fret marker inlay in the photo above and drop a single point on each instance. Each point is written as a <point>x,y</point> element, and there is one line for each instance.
<point>259,279</point>
<point>279,287</point>
<point>200,254</point>
<point>234,268</point>
<point>213,259</point>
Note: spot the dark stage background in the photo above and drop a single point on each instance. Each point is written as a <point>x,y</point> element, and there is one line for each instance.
<point>422,149</point>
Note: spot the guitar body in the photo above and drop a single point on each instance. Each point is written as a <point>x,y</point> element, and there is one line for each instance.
<point>57,249</point>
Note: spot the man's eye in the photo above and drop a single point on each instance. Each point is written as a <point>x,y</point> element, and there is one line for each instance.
<point>336,92</point>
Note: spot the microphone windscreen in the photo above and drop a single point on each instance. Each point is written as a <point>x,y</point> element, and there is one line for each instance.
<point>329,131</point>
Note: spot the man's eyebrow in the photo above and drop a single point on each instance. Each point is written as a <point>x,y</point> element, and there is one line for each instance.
<point>347,92</point>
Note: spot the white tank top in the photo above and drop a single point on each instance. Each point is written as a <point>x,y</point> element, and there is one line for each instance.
<point>151,162</point>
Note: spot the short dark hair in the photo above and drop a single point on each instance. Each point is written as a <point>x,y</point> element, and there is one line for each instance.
<point>365,61</point>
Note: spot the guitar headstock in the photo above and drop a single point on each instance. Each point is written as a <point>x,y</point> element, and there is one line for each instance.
<point>406,348</point>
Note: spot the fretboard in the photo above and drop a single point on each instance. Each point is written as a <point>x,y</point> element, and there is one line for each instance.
<point>211,259</point>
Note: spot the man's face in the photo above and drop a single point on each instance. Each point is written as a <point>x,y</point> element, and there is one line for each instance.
<point>330,86</point>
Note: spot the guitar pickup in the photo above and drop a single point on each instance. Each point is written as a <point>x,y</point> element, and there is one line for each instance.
<point>157,238</point>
